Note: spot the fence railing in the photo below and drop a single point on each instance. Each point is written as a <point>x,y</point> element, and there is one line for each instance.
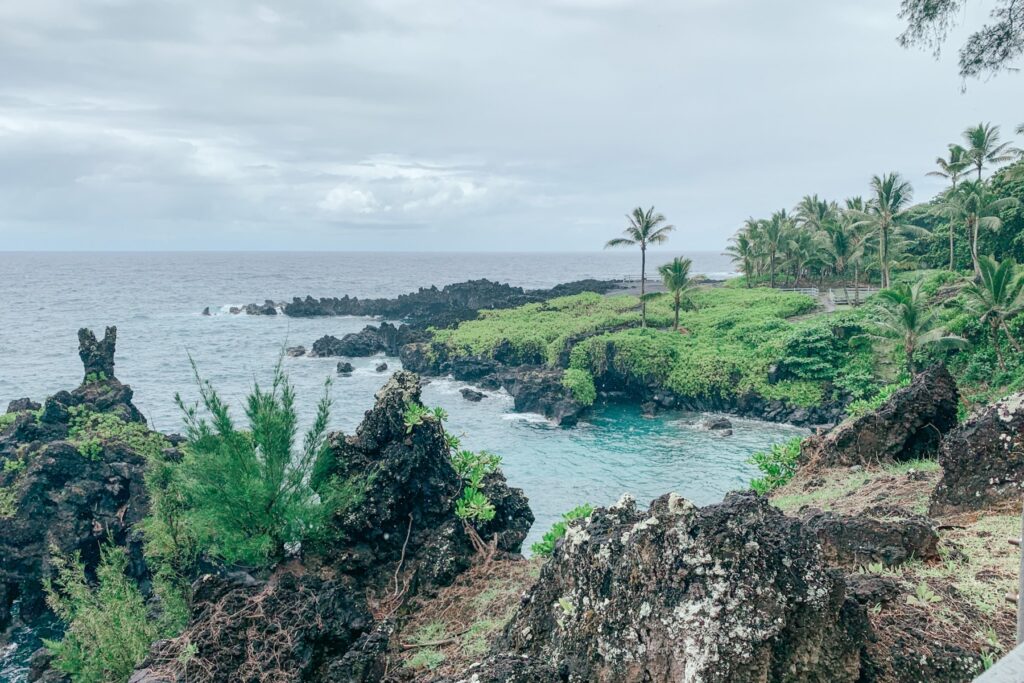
<point>809,291</point>
<point>847,296</point>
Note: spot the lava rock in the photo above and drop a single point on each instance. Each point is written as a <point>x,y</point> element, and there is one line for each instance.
<point>717,422</point>
<point>97,356</point>
<point>880,534</point>
<point>729,592</point>
<point>983,461</point>
<point>872,589</point>
<point>472,395</point>
<point>540,390</point>
<point>345,368</point>
<point>19,405</point>
<point>295,351</point>
<point>907,426</point>
<point>381,367</point>
<point>206,311</point>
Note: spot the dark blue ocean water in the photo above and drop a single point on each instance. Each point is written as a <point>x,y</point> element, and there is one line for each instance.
<point>155,299</point>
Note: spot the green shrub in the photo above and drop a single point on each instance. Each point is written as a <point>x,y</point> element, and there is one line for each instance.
<point>88,430</point>
<point>865,406</point>
<point>580,384</point>
<point>473,505</point>
<point>7,419</point>
<point>240,496</point>
<point>108,627</point>
<point>546,545</point>
<point>778,465</point>
<point>8,502</point>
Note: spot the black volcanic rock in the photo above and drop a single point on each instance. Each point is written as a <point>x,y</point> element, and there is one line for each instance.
<point>907,426</point>
<point>728,593</point>
<point>983,461</point>
<point>471,395</point>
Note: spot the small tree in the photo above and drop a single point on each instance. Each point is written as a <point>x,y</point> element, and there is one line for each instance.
<point>676,276</point>
<point>247,492</point>
<point>645,228</point>
<point>998,297</point>
<point>905,317</point>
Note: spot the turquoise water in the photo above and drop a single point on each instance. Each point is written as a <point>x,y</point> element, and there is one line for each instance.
<point>155,300</point>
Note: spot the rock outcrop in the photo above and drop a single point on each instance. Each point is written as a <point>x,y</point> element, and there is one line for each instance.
<point>882,534</point>
<point>394,535</point>
<point>983,461</point>
<point>66,494</point>
<point>441,307</point>
<point>732,592</point>
<point>909,425</point>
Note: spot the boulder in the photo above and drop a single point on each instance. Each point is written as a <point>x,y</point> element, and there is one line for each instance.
<point>345,368</point>
<point>732,592</point>
<point>381,367</point>
<point>907,426</point>
<point>268,307</point>
<point>206,311</point>
<point>717,422</point>
<point>19,405</point>
<point>472,395</point>
<point>353,345</point>
<point>295,351</point>
<point>983,461</point>
<point>882,534</point>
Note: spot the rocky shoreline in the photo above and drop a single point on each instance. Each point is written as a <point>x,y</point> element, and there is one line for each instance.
<point>739,591</point>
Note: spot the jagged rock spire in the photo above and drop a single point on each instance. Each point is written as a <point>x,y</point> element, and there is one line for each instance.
<point>97,356</point>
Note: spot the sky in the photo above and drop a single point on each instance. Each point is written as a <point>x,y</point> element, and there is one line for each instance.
<point>456,125</point>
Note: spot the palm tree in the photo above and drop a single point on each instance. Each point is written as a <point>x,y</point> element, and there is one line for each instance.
<point>676,276</point>
<point>978,207</point>
<point>815,214</point>
<point>952,169</point>
<point>983,147</point>
<point>805,250</point>
<point>997,298</point>
<point>884,217</point>
<point>743,252</point>
<point>905,316</point>
<point>774,233</point>
<point>645,227</point>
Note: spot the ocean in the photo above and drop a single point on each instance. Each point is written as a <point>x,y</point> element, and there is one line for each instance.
<point>156,299</point>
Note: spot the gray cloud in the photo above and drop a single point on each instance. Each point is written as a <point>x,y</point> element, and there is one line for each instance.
<point>453,125</point>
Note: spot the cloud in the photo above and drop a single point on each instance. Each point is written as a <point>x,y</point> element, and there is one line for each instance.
<point>532,124</point>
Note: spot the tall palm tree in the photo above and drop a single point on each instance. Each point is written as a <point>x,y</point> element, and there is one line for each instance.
<point>815,214</point>
<point>978,207</point>
<point>997,298</point>
<point>952,169</point>
<point>645,228</point>
<point>676,276</point>
<point>805,251</point>
<point>774,233</point>
<point>984,148</point>
<point>884,218</point>
<point>743,252</point>
<point>906,317</point>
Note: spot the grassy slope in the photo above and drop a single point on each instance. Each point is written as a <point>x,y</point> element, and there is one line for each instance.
<point>729,343</point>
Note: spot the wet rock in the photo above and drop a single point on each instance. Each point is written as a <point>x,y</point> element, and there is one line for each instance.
<point>725,593</point>
<point>512,515</point>
<point>717,422</point>
<point>540,390</point>
<point>345,368</point>
<point>909,425</point>
<point>295,351</point>
<point>19,405</point>
<point>381,367</point>
<point>206,311</point>
<point>881,534</point>
<point>983,461</point>
<point>725,432</point>
<point>268,307</point>
<point>472,395</point>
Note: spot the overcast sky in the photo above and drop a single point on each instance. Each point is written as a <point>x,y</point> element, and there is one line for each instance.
<point>455,124</point>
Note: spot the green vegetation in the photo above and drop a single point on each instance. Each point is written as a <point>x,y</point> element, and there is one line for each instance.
<point>904,316</point>
<point>580,384</point>
<point>240,496</point>
<point>546,545</point>
<point>89,431</point>
<point>864,406</point>
<point>676,277</point>
<point>8,502</point>
<point>109,628</point>
<point>645,228</point>
<point>777,464</point>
